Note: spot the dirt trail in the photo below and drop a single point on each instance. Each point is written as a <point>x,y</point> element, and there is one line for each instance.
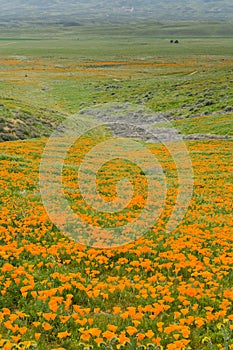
<point>126,121</point>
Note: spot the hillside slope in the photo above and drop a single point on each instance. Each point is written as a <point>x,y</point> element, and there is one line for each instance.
<point>71,11</point>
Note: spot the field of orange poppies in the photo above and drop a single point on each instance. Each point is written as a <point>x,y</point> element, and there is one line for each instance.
<point>170,291</point>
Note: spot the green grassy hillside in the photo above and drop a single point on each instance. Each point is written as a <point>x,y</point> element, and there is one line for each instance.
<point>170,288</point>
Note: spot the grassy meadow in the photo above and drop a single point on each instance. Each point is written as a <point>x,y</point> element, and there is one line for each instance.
<point>162,291</point>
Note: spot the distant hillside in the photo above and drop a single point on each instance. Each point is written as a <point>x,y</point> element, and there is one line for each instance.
<point>75,12</point>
